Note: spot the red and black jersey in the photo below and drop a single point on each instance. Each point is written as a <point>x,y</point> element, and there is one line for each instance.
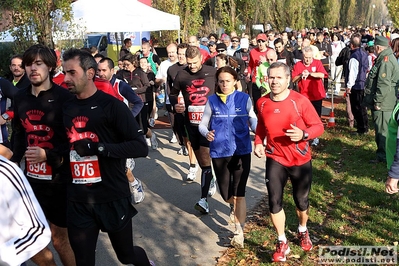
<point>104,119</point>
<point>195,87</point>
<point>38,122</point>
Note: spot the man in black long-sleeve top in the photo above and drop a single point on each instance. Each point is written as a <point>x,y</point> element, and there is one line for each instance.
<point>102,133</point>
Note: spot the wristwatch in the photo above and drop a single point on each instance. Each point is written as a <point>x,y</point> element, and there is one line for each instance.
<point>101,148</point>
<point>5,116</point>
<point>305,135</point>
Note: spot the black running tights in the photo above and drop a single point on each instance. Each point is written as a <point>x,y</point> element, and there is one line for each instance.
<point>84,241</point>
<point>276,178</point>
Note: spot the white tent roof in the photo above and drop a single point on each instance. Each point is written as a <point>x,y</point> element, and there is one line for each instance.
<point>121,16</point>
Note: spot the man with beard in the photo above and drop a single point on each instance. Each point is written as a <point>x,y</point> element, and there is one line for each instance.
<point>102,133</point>
<point>19,78</point>
<point>126,94</point>
<point>196,82</point>
<point>40,136</point>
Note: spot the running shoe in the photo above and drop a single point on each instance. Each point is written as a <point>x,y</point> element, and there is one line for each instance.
<point>130,163</point>
<point>185,151</point>
<point>137,192</point>
<point>212,188</point>
<point>148,142</point>
<point>153,141</point>
<point>202,206</point>
<point>151,122</point>
<point>192,173</point>
<point>282,250</point>
<point>173,139</point>
<point>304,241</point>
<point>232,217</point>
<point>238,240</point>
<point>180,151</point>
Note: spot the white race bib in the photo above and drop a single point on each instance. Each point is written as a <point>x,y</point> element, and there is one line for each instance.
<point>195,113</point>
<point>40,171</point>
<point>85,170</point>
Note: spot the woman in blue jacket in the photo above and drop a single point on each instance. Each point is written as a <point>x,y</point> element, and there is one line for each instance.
<point>227,117</point>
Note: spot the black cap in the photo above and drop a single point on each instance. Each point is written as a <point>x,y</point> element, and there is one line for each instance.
<point>221,46</point>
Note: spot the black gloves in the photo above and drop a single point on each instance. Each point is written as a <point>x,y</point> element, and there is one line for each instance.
<point>86,147</point>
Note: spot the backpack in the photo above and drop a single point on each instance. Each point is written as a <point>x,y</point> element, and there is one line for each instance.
<point>343,57</point>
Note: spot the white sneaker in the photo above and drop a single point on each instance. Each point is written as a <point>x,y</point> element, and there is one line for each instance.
<point>202,206</point>
<point>151,122</point>
<point>212,188</point>
<point>173,139</point>
<point>137,191</point>
<point>148,142</point>
<point>153,141</point>
<point>238,240</point>
<point>183,151</point>
<point>192,173</point>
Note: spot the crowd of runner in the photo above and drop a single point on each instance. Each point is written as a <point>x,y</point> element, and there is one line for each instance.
<point>78,121</point>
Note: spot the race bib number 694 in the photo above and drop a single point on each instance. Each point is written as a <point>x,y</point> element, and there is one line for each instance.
<point>40,171</point>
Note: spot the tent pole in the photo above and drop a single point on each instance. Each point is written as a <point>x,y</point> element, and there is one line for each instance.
<point>117,45</point>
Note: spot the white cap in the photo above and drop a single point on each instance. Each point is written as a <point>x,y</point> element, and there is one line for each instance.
<point>394,36</point>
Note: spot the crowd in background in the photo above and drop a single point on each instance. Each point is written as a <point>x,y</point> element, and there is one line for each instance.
<point>216,90</point>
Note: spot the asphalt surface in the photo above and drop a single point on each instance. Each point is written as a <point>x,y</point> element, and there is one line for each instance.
<point>167,226</point>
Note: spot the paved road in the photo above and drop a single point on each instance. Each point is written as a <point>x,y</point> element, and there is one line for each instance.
<point>167,226</point>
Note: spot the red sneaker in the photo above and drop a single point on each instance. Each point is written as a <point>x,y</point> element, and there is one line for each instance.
<point>282,249</point>
<point>304,241</point>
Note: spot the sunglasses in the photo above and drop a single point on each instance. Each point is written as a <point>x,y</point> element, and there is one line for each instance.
<point>261,41</point>
<point>234,41</point>
<point>221,51</point>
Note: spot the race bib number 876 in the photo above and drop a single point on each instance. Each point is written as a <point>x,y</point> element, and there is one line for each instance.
<point>85,170</point>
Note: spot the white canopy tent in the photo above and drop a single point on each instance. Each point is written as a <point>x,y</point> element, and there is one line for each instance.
<point>121,16</point>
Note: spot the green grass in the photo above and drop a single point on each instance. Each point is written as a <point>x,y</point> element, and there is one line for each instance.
<point>348,203</point>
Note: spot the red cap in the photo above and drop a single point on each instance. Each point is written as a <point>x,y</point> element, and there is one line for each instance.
<point>261,36</point>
